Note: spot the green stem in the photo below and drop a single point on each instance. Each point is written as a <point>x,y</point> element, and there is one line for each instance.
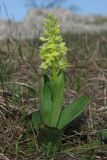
<point>54,73</point>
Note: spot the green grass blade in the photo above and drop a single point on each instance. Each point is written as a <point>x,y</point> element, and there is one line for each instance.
<point>72,111</point>
<point>102,134</point>
<point>57,97</point>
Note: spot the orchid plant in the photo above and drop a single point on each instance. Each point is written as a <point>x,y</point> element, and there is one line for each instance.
<point>51,119</point>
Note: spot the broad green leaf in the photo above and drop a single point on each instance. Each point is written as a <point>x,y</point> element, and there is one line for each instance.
<point>72,111</point>
<point>57,97</point>
<point>36,119</point>
<point>41,84</point>
<point>45,101</point>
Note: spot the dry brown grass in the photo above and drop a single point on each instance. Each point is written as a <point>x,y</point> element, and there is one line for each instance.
<point>87,75</point>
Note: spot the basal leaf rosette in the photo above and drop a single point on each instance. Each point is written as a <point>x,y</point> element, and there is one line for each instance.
<point>53,51</point>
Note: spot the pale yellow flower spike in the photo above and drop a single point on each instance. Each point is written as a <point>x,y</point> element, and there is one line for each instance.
<point>53,51</point>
